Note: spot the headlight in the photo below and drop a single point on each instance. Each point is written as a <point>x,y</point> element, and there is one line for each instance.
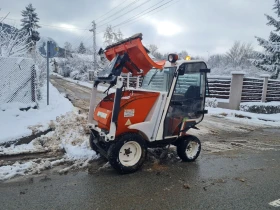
<point>172,58</point>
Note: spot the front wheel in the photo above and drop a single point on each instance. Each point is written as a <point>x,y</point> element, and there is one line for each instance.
<point>188,148</point>
<point>128,154</point>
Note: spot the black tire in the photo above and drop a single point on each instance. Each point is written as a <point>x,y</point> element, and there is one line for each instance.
<point>184,144</point>
<point>115,151</point>
<point>92,145</point>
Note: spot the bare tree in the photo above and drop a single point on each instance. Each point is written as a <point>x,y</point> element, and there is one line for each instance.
<point>239,54</point>
<point>152,48</point>
<point>183,54</point>
<point>110,36</point>
<point>68,46</point>
<point>14,43</point>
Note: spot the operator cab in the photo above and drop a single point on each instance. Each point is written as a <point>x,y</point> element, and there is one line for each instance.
<point>186,107</point>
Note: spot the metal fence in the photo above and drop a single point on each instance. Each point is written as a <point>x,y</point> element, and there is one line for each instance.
<point>253,89</point>
<point>219,86</point>
<point>17,80</point>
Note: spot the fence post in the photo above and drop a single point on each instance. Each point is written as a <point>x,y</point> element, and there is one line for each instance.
<point>127,80</point>
<point>138,82</point>
<point>236,87</point>
<point>265,83</point>
<point>33,86</point>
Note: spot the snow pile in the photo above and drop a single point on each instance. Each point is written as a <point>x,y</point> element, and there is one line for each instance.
<point>246,117</point>
<point>70,137</point>
<point>15,124</point>
<point>260,107</point>
<point>71,134</point>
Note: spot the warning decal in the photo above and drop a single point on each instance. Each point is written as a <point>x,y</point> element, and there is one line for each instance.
<point>128,122</point>
<point>102,115</point>
<point>129,112</point>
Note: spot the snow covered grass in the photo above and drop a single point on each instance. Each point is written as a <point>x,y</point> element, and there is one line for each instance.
<point>70,137</point>
<point>15,124</point>
<point>246,117</point>
<point>260,107</point>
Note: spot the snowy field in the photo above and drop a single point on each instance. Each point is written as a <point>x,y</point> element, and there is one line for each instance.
<point>15,124</point>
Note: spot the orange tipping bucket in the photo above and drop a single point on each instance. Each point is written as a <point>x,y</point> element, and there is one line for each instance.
<point>137,53</point>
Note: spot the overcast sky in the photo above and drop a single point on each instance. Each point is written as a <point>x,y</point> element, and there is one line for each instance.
<point>197,26</point>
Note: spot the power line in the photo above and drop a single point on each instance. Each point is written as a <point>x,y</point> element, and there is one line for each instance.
<point>118,11</point>
<point>110,10</point>
<point>126,13</point>
<point>139,15</point>
<point>148,15</point>
<point>4,17</point>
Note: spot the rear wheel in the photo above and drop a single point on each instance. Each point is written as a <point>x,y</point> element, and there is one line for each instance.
<point>128,154</point>
<point>188,148</point>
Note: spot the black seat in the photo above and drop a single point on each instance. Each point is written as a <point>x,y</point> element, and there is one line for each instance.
<point>193,92</point>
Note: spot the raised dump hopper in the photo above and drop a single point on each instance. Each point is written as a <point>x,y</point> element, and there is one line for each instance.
<point>137,54</point>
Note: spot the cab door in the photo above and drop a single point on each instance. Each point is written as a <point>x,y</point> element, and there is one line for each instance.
<point>186,107</point>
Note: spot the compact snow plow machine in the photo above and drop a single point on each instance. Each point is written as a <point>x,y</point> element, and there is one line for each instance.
<point>169,102</point>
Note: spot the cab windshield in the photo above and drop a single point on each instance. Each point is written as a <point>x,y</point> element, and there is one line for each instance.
<point>158,80</point>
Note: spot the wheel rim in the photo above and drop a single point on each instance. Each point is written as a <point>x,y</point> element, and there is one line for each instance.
<point>192,149</point>
<point>130,153</point>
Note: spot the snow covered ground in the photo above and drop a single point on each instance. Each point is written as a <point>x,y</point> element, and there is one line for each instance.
<point>15,124</point>
<point>246,117</point>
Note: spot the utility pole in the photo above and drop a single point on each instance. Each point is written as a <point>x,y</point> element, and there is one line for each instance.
<point>93,30</point>
<point>64,58</point>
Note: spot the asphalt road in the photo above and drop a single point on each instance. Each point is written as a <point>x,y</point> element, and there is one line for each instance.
<point>239,168</point>
<point>247,180</point>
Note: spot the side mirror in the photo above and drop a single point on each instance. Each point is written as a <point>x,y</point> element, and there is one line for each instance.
<point>181,70</point>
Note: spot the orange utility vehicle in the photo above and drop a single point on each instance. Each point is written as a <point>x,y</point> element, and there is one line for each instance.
<point>169,102</point>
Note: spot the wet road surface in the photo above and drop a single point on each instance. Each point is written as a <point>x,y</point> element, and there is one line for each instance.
<point>247,180</point>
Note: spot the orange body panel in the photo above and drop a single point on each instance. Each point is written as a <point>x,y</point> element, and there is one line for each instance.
<point>137,55</point>
<point>134,108</point>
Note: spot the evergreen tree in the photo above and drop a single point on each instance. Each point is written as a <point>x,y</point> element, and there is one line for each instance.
<point>30,24</point>
<point>82,49</point>
<point>270,59</point>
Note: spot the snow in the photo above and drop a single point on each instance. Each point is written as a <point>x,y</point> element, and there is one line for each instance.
<point>15,124</point>
<point>265,75</point>
<point>246,117</point>
<point>32,147</point>
<point>272,103</point>
<point>238,72</point>
<point>8,172</point>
